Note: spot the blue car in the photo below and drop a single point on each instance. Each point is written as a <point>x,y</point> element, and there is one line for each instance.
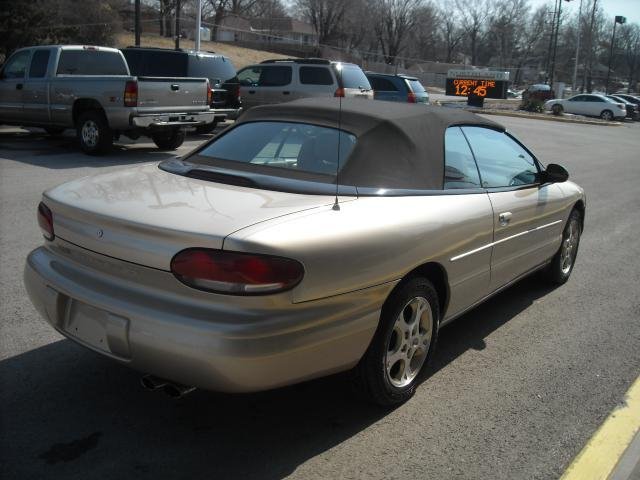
<point>397,88</point>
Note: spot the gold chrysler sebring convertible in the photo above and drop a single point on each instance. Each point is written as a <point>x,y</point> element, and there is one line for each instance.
<point>308,238</point>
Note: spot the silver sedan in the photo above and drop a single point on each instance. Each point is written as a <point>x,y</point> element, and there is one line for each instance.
<point>309,238</point>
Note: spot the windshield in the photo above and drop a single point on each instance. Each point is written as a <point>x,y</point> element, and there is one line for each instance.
<point>279,147</point>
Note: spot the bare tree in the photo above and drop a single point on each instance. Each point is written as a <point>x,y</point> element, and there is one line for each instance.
<point>396,20</point>
<point>325,16</point>
<point>630,42</point>
<point>450,30</point>
<point>424,39</point>
<point>473,17</point>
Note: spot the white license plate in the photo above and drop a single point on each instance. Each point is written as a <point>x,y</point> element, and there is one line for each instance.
<point>88,324</point>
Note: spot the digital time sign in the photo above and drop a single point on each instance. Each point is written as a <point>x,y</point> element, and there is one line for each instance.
<point>477,83</point>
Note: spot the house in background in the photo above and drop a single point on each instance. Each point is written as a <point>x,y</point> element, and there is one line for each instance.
<point>284,30</point>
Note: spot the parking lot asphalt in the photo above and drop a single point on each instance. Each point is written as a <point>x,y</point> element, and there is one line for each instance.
<point>516,388</point>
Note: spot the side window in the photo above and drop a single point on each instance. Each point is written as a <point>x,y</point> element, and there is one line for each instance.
<point>39,62</point>
<point>501,160</point>
<point>460,169</point>
<point>275,77</point>
<point>315,76</point>
<point>16,66</point>
<point>382,84</point>
<point>249,77</point>
<point>579,98</point>
<point>596,99</point>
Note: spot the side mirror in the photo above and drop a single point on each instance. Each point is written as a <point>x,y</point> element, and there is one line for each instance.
<point>555,174</point>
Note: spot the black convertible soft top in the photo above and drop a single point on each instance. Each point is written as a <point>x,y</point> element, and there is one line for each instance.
<point>399,146</point>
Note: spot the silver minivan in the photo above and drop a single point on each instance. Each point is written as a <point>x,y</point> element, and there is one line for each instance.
<point>276,81</point>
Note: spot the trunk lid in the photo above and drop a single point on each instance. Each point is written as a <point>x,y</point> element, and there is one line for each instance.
<point>164,94</point>
<point>145,215</point>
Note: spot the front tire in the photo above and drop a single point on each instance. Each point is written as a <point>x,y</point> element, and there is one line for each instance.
<point>169,140</point>
<point>557,109</point>
<point>561,266</point>
<point>606,115</point>
<point>403,344</point>
<point>94,134</point>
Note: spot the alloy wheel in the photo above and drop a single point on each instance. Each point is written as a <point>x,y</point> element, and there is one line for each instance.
<point>409,342</point>
<point>569,246</point>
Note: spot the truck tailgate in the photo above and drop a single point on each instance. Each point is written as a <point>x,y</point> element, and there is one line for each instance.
<point>164,95</point>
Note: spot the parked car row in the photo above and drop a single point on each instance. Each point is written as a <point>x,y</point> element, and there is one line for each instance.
<point>607,107</point>
<point>104,93</point>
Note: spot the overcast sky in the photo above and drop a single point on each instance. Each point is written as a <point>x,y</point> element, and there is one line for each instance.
<point>626,8</point>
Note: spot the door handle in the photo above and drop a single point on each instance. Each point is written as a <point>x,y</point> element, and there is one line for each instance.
<point>251,92</point>
<point>286,93</point>
<point>19,86</point>
<point>504,218</point>
<point>175,87</point>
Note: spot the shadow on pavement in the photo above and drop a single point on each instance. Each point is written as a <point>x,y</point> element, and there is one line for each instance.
<point>62,151</point>
<point>68,413</point>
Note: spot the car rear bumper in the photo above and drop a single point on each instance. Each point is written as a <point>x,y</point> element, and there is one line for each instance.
<point>211,345</point>
<point>173,119</point>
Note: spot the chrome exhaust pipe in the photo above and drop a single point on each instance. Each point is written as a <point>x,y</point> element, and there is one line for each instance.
<point>175,390</point>
<point>151,382</point>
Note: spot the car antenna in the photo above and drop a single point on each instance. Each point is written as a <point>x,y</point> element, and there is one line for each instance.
<point>336,205</point>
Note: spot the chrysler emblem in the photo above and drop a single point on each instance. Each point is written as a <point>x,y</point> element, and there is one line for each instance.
<point>99,233</point>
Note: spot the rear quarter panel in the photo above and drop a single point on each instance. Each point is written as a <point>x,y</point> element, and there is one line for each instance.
<point>373,240</point>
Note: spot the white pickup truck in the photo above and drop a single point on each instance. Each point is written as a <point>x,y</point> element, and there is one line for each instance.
<point>90,89</point>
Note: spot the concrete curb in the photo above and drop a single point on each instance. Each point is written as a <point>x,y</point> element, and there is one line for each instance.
<point>550,118</point>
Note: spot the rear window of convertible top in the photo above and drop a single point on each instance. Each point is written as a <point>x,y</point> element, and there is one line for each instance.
<point>278,148</point>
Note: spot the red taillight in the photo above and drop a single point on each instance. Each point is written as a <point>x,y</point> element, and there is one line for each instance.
<point>235,273</point>
<point>411,98</point>
<point>45,220</point>
<point>131,94</point>
<point>236,92</point>
<point>209,93</point>
<point>339,92</point>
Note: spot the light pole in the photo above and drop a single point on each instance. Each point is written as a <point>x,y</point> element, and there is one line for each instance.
<point>178,8</point>
<point>619,19</point>
<point>199,22</point>
<point>575,67</point>
<point>137,22</point>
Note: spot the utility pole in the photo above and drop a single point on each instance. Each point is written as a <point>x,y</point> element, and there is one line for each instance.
<point>586,81</point>
<point>199,22</point>
<point>555,43</point>
<point>575,67</point>
<point>551,36</point>
<point>137,22</point>
<point>619,19</point>
<point>177,24</point>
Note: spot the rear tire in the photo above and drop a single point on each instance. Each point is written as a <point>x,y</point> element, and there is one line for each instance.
<point>403,344</point>
<point>557,109</point>
<point>170,139</point>
<point>606,115</point>
<point>94,134</point>
<point>561,266</point>
<point>207,128</point>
